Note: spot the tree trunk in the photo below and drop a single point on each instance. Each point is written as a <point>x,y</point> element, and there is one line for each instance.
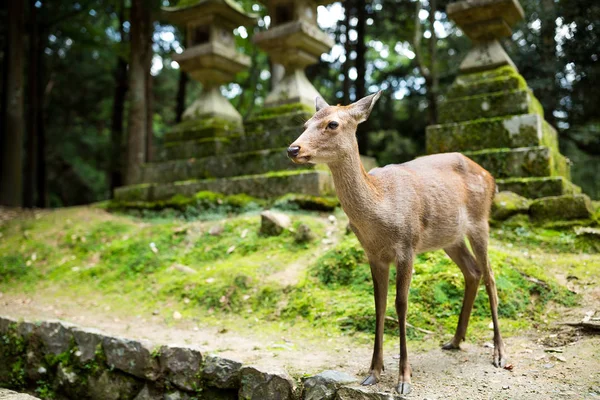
<point>180,106</point>
<point>30,170</point>
<point>547,93</point>
<point>432,80</point>
<point>361,68</point>
<point>11,178</point>
<point>138,118</point>
<point>116,134</point>
<point>149,117</point>
<point>347,50</point>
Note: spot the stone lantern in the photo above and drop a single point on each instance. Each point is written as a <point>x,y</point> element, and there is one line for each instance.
<point>295,41</point>
<point>484,22</point>
<point>211,57</point>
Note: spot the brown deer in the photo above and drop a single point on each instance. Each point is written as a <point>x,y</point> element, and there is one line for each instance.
<point>399,211</point>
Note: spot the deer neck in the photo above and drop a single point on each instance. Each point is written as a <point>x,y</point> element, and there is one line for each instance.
<point>356,189</point>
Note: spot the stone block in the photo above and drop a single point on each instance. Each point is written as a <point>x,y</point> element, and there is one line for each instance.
<point>566,207</point>
<point>87,341</point>
<point>489,133</point>
<point>113,386</point>
<point>324,386</point>
<point>489,105</point>
<point>521,162</point>
<point>507,204</point>
<point>221,373</point>
<point>259,384</point>
<point>222,166</point>
<point>362,393</point>
<point>181,366</point>
<point>533,188</point>
<point>269,185</point>
<point>273,223</point>
<point>202,128</point>
<point>133,357</point>
<point>193,148</point>
<point>502,79</point>
<point>56,338</point>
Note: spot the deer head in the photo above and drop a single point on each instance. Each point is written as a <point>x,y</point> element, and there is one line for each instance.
<point>331,133</point>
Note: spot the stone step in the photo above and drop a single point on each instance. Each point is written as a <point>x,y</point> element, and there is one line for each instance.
<point>498,80</point>
<point>567,207</point>
<point>521,162</point>
<point>534,188</point>
<point>490,105</point>
<point>205,147</point>
<point>269,185</point>
<point>516,131</point>
<point>219,166</point>
<point>204,128</point>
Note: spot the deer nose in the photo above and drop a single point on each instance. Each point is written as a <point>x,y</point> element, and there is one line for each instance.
<point>293,151</point>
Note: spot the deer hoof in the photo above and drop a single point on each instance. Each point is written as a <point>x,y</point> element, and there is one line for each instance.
<point>451,346</point>
<point>370,380</point>
<point>499,361</point>
<point>404,388</point>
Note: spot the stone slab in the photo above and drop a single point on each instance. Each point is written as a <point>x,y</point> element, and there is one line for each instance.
<point>566,207</point>
<point>222,166</point>
<point>521,162</point>
<point>133,357</point>
<point>489,133</point>
<point>533,188</point>
<point>270,185</point>
<point>221,372</point>
<point>260,384</point>
<point>203,128</point>
<point>181,366</point>
<point>489,106</point>
<point>497,80</point>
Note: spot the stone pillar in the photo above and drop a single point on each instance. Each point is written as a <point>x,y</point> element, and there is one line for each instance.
<point>492,116</point>
<point>211,57</point>
<point>295,41</point>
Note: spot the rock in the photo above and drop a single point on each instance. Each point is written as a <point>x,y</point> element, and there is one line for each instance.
<point>5,323</point>
<point>176,395</point>
<point>361,393</point>
<point>113,386</point>
<point>324,386</point>
<point>87,341</point>
<point>25,329</point>
<point>55,337</point>
<point>180,366</point>
<point>303,234</point>
<point>149,393</point>
<point>578,206</point>
<point>257,384</point>
<point>6,394</point>
<point>131,356</point>
<point>66,376</point>
<point>507,204</point>
<point>70,383</point>
<point>216,230</point>
<point>273,223</point>
<point>221,373</point>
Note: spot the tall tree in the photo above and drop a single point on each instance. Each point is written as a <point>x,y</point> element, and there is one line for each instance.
<point>138,75</point>
<point>347,50</point>
<point>116,136</point>
<point>181,86</point>
<point>361,68</point>
<point>430,74</point>
<point>11,167</point>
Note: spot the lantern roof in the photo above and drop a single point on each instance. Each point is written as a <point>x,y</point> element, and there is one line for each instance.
<point>486,19</point>
<point>204,10</point>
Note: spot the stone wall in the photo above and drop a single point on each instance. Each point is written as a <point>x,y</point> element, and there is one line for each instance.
<point>54,359</point>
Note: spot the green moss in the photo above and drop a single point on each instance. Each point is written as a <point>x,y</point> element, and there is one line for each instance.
<point>306,202</point>
<point>507,204</point>
<point>537,187</point>
<point>275,112</point>
<point>499,80</point>
<point>566,207</point>
<point>201,128</point>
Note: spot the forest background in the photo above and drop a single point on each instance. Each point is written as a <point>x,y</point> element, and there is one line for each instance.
<point>80,79</point>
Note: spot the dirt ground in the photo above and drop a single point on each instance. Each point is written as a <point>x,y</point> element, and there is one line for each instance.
<point>561,363</point>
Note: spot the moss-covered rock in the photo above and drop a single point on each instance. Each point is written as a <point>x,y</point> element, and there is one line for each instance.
<point>533,188</point>
<point>562,208</point>
<point>520,101</point>
<point>521,162</point>
<point>203,128</point>
<point>194,148</point>
<point>485,133</point>
<point>498,80</point>
<point>307,202</point>
<point>507,204</point>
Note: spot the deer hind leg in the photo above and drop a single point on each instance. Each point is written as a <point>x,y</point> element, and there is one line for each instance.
<point>479,242</point>
<point>404,269</point>
<point>461,255</point>
<point>380,271</point>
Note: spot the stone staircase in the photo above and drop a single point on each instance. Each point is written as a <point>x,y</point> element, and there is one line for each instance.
<point>218,155</point>
<point>494,118</point>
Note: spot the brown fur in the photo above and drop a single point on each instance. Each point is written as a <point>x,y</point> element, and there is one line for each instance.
<point>399,211</point>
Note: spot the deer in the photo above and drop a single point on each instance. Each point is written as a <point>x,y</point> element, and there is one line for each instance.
<point>401,210</point>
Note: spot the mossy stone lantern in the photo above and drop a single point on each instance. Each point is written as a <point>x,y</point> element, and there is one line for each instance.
<point>210,57</point>
<point>295,41</point>
<point>484,22</point>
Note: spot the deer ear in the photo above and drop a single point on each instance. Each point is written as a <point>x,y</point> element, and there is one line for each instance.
<point>320,103</point>
<point>362,108</point>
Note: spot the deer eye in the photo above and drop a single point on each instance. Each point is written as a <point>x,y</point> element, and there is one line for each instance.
<point>332,125</point>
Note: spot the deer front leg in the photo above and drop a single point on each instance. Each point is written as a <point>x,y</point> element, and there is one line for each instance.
<point>380,271</point>
<point>404,269</point>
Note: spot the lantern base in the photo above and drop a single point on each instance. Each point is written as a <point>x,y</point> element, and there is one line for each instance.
<point>212,104</point>
<point>293,88</point>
